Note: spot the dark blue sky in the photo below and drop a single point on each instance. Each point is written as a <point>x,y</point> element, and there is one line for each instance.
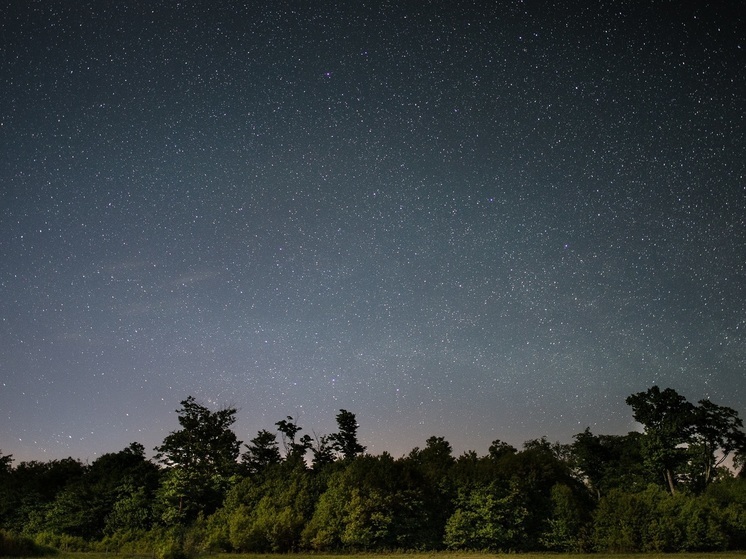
<point>451,219</point>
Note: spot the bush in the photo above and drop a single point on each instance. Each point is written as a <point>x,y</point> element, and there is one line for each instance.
<point>654,521</point>
<point>12,545</point>
<point>62,542</point>
<point>128,542</point>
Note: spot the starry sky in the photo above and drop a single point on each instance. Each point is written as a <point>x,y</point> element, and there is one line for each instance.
<point>476,220</point>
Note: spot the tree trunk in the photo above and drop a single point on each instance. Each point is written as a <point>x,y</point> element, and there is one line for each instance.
<point>669,479</point>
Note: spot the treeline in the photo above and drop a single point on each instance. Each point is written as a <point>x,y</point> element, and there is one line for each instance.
<point>665,489</point>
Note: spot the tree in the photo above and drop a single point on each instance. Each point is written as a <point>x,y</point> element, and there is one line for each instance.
<point>370,502</point>
<point>294,451</point>
<point>205,443</point>
<point>533,473</point>
<point>262,452</point>
<point>435,465</point>
<point>323,451</point>
<point>569,516</point>
<point>718,432</point>
<point>669,424</point>
<point>132,511</point>
<point>7,493</point>
<point>604,462</point>
<point>201,457</point>
<point>435,460</point>
<point>684,441</point>
<point>83,507</point>
<point>488,517</point>
<point>499,448</point>
<point>130,480</point>
<point>32,488</point>
<point>345,441</point>
<point>273,512</point>
<point>6,462</point>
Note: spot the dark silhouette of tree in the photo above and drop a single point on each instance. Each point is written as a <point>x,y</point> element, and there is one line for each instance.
<point>345,441</point>
<point>294,450</point>
<point>604,462</point>
<point>6,462</point>
<point>322,451</point>
<point>83,507</point>
<point>32,488</point>
<point>8,498</point>
<point>436,459</point>
<point>205,442</point>
<point>499,448</point>
<point>262,451</point>
<point>718,433</point>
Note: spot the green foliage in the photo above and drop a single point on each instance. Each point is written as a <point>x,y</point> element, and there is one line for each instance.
<point>499,448</point>
<point>435,460</point>
<point>620,522</point>
<point>323,452</point>
<point>717,434</point>
<point>606,462</point>
<point>132,511</point>
<point>13,545</point>
<point>534,472</point>
<point>371,503</point>
<point>656,521</point>
<point>684,442</point>
<point>565,529</point>
<point>174,543</point>
<point>27,493</point>
<point>630,493</point>
<point>668,419</point>
<point>324,530</point>
<point>205,443</point>
<point>488,517</point>
<point>201,458</point>
<point>62,542</point>
<point>78,511</point>
<point>269,517</point>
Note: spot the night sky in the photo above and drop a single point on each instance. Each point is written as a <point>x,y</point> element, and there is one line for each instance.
<point>473,220</point>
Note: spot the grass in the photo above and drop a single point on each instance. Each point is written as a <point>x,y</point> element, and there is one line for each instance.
<point>434,555</point>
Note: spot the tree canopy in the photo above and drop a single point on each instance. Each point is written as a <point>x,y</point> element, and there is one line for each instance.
<point>663,489</point>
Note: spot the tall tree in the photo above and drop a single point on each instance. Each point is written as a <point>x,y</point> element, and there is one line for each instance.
<point>262,452</point>
<point>668,419</point>
<point>322,450</point>
<point>603,462</point>
<point>201,457</point>
<point>345,441</point>
<point>294,450</point>
<point>718,433</point>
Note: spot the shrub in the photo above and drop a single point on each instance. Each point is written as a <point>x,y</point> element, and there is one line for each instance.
<point>12,545</point>
<point>62,542</point>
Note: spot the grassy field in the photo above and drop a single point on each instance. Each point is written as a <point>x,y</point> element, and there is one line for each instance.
<point>441,555</point>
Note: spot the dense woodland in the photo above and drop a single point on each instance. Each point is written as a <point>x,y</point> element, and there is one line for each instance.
<point>665,489</point>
